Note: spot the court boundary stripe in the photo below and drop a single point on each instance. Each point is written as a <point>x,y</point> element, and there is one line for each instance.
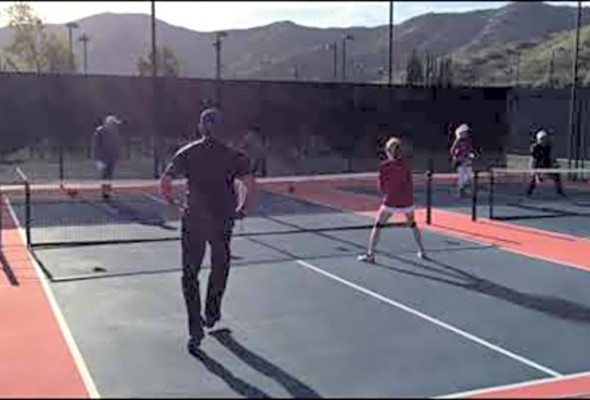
<point>518,385</point>
<point>61,321</point>
<point>435,321</point>
<point>441,229</point>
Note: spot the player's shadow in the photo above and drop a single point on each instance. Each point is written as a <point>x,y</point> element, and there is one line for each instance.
<point>8,271</point>
<point>140,216</point>
<point>447,274</point>
<point>294,386</point>
<point>238,385</point>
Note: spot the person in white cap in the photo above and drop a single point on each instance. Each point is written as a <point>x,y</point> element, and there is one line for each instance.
<point>462,154</point>
<point>106,146</point>
<point>542,158</point>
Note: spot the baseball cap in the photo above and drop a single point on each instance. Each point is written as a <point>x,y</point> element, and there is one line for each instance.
<point>112,120</point>
<point>210,116</point>
<point>463,128</point>
<point>541,134</point>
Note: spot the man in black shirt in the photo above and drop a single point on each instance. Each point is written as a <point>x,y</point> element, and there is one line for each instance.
<point>210,167</point>
<point>542,158</point>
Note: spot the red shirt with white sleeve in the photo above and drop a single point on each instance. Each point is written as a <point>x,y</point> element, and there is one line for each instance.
<point>462,149</point>
<point>395,183</point>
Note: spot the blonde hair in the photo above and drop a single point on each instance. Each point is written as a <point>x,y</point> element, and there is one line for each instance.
<point>392,144</point>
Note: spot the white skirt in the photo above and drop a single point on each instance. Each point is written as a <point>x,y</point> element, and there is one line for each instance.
<point>397,210</point>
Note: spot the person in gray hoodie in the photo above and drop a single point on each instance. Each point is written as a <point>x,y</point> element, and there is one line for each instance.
<point>106,146</point>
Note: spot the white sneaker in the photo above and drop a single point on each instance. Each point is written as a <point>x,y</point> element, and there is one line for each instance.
<point>422,255</point>
<point>367,258</point>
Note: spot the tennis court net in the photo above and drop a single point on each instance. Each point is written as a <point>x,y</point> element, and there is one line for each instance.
<point>75,213</point>
<point>538,193</point>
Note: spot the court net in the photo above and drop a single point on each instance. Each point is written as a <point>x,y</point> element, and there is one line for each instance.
<point>515,194</point>
<point>75,213</point>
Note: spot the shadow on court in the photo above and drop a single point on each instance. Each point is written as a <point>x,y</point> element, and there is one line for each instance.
<point>240,386</point>
<point>556,307</point>
<point>224,336</point>
<point>8,271</point>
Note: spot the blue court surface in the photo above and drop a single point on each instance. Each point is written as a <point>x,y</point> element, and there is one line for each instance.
<point>303,318</point>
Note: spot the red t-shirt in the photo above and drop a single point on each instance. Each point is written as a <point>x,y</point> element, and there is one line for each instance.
<point>461,149</point>
<point>395,183</point>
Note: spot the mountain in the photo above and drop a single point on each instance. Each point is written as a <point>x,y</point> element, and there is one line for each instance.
<point>275,51</point>
<point>497,65</point>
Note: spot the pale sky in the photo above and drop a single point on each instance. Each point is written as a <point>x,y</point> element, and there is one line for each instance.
<point>211,16</point>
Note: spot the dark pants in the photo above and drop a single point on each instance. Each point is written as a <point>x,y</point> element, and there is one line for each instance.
<point>556,179</point>
<point>194,238</point>
<point>108,171</point>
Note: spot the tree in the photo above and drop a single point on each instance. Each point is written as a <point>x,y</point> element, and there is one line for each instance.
<point>166,60</point>
<point>430,70</point>
<point>56,54</point>
<point>414,70</point>
<point>445,73</point>
<point>31,48</point>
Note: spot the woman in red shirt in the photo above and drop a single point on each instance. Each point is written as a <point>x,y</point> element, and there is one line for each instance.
<point>395,184</point>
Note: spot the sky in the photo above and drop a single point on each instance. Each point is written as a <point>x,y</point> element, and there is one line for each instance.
<point>211,16</point>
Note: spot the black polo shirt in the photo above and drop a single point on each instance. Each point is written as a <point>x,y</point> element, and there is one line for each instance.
<point>210,168</point>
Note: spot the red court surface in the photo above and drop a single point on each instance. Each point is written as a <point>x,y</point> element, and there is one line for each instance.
<point>36,358</point>
<point>40,357</point>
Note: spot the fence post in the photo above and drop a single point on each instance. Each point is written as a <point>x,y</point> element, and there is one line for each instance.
<point>474,197</point>
<point>429,197</point>
<point>491,194</point>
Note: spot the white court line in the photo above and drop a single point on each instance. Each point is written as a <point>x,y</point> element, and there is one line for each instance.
<point>156,199</point>
<point>518,385</point>
<point>433,320</point>
<point>61,321</point>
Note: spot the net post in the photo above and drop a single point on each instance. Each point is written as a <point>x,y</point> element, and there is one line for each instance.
<point>429,197</point>
<point>1,219</point>
<point>28,213</point>
<point>60,152</point>
<point>491,194</point>
<point>474,197</point>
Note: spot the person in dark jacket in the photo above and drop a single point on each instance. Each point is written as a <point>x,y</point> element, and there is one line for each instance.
<point>211,168</point>
<point>542,158</point>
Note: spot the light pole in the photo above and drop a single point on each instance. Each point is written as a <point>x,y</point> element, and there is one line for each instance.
<point>334,47</point>
<point>217,45</point>
<point>344,39</point>
<point>390,76</point>
<point>71,26</point>
<point>517,69</point>
<point>155,138</point>
<point>551,80</point>
<point>359,69</point>
<point>84,38</point>
<point>551,68</point>
<point>295,72</point>
<point>264,63</point>
<point>572,136</point>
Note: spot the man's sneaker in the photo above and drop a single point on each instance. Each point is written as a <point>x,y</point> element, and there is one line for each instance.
<point>422,255</point>
<point>367,258</point>
<point>209,322</point>
<point>193,344</point>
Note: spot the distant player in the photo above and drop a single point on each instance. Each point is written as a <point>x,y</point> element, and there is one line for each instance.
<point>396,186</point>
<point>252,144</point>
<point>106,147</point>
<point>462,155</point>
<point>542,158</point>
